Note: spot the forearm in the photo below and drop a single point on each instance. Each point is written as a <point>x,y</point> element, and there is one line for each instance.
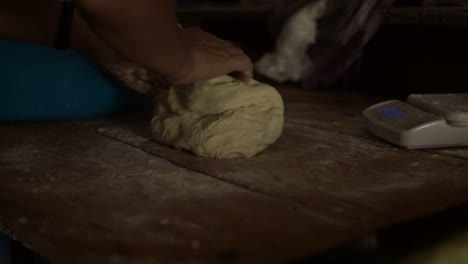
<point>36,21</point>
<point>144,31</point>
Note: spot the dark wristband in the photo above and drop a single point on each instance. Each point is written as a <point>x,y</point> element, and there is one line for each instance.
<point>63,34</point>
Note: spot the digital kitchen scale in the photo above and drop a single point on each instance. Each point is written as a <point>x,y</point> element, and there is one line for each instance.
<point>424,121</point>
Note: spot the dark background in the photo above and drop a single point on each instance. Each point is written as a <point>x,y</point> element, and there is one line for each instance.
<point>404,57</point>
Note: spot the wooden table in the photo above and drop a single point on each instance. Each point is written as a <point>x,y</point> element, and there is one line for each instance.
<point>100,191</point>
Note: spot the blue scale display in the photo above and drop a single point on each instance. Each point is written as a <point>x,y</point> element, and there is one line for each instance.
<point>424,121</point>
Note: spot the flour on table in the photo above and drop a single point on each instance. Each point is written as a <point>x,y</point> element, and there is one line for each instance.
<point>220,118</point>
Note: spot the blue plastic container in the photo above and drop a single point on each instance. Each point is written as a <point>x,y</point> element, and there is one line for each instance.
<point>41,83</point>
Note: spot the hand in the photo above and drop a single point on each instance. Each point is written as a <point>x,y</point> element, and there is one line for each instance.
<point>134,76</point>
<point>208,57</point>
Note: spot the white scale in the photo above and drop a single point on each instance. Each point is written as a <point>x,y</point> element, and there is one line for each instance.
<point>424,121</point>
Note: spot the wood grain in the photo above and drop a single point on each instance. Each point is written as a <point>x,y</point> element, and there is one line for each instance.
<point>77,197</point>
<point>101,191</point>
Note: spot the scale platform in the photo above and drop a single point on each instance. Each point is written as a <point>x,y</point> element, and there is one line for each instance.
<point>424,121</point>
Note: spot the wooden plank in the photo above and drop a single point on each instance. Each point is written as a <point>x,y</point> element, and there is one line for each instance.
<point>341,177</point>
<point>347,179</point>
<point>76,197</point>
<point>318,187</point>
<point>454,152</point>
<point>338,112</point>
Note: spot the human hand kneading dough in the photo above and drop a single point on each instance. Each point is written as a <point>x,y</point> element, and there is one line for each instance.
<point>208,57</point>
<point>139,42</point>
<point>148,35</point>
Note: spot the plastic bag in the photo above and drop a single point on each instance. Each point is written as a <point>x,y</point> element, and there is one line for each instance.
<point>335,32</point>
<point>289,60</point>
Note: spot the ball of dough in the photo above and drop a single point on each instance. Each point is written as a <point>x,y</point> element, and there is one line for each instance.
<point>220,118</point>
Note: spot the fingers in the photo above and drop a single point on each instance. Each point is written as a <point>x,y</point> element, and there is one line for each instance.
<point>242,65</point>
<point>210,57</point>
<point>133,76</point>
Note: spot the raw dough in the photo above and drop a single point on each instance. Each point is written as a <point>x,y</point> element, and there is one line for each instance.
<point>219,118</point>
